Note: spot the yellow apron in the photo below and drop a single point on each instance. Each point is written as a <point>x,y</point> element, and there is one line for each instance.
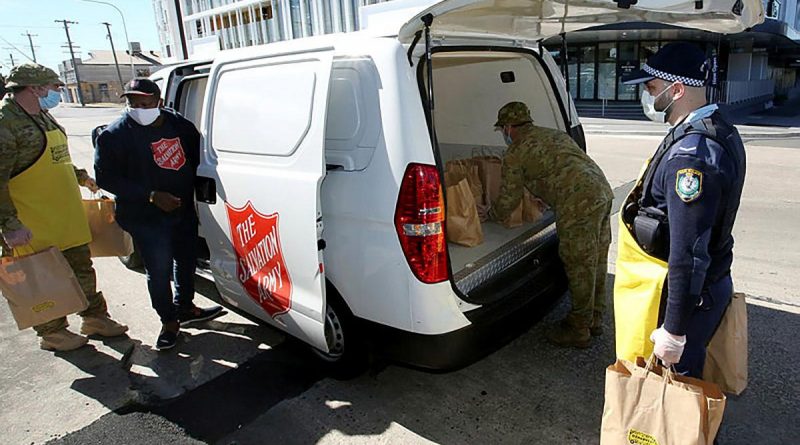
<point>48,200</point>
<point>639,281</point>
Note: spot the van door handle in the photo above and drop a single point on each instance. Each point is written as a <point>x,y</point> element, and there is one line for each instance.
<point>205,190</point>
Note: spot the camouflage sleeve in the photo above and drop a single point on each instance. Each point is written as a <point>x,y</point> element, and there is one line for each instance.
<point>513,188</point>
<point>81,174</point>
<point>8,213</point>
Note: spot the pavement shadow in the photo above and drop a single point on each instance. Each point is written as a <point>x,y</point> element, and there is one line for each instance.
<point>133,373</point>
<point>527,392</point>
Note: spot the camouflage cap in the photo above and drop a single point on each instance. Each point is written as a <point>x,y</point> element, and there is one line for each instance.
<point>31,74</point>
<point>513,113</point>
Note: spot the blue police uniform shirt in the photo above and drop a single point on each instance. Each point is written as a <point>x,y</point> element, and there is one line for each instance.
<point>689,185</point>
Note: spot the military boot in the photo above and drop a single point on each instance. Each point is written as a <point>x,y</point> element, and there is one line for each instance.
<point>103,326</point>
<point>62,340</point>
<point>570,333</point>
<point>597,325</point>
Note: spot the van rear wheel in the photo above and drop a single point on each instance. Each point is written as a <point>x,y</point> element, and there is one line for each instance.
<point>347,355</point>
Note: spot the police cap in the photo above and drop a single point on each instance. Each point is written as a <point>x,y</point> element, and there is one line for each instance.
<point>674,62</point>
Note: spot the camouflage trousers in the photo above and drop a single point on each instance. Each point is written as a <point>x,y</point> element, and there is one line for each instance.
<point>79,258</point>
<point>583,248</point>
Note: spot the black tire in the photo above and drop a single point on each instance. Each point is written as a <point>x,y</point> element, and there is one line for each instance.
<point>348,355</point>
<point>132,261</point>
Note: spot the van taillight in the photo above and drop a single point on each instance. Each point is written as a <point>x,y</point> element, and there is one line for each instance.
<point>419,220</point>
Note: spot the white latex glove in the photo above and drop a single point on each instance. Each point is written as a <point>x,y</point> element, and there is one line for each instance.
<point>669,348</point>
<point>18,238</point>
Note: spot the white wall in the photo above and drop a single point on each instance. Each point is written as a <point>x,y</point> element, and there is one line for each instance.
<point>468,92</point>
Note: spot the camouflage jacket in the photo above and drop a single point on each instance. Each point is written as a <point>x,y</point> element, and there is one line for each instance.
<point>551,166</point>
<point>22,141</point>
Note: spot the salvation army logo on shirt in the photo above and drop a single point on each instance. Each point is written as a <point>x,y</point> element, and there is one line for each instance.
<point>168,153</point>
<point>260,266</point>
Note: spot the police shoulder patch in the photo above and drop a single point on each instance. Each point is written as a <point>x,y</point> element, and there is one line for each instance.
<point>689,184</point>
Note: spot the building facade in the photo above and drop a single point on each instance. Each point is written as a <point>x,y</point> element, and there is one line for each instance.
<point>99,79</point>
<point>197,28</point>
<point>751,68</point>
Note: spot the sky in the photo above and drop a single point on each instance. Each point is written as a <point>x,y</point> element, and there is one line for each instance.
<point>18,17</point>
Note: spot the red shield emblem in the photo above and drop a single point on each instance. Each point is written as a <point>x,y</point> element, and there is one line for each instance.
<point>168,153</point>
<point>260,266</point>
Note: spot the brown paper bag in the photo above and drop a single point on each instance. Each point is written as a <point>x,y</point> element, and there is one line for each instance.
<point>463,224</point>
<point>459,169</point>
<point>490,172</point>
<point>726,355</point>
<point>108,238</point>
<point>533,207</point>
<point>649,405</point>
<point>40,287</point>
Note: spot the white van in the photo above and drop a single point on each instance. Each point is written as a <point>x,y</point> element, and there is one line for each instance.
<point>321,191</point>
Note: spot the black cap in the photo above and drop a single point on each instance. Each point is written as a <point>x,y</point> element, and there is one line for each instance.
<point>141,86</point>
<point>674,62</point>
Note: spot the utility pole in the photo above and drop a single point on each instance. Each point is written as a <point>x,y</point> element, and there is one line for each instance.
<point>11,56</point>
<point>30,41</point>
<point>114,52</point>
<point>72,54</point>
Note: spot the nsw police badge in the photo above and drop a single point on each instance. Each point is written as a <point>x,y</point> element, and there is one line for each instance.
<point>689,184</point>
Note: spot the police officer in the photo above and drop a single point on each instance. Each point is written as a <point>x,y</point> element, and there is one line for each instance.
<point>551,166</point>
<point>148,158</point>
<point>40,203</point>
<point>682,212</point>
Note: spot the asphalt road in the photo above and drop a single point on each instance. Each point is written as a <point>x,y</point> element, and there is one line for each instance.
<point>233,381</point>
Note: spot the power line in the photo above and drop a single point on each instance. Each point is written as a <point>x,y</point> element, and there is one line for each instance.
<point>14,47</point>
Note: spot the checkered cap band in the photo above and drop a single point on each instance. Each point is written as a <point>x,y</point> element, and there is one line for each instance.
<point>673,78</point>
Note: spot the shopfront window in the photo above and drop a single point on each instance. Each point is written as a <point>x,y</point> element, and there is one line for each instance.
<point>572,64</point>
<point>628,63</point>
<point>587,58</point>
<point>607,64</point>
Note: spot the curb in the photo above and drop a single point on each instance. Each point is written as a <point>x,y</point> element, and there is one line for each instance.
<point>746,136</point>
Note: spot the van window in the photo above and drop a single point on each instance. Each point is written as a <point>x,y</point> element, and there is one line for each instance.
<point>263,110</point>
<point>352,133</point>
<point>190,104</point>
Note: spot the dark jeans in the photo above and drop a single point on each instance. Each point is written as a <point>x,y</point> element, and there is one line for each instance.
<point>702,325</point>
<point>167,247</point>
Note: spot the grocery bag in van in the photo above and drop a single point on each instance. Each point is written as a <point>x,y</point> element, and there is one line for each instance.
<point>463,224</point>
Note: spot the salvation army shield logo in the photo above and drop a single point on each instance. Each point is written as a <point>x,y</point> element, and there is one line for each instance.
<point>168,153</point>
<point>260,266</point>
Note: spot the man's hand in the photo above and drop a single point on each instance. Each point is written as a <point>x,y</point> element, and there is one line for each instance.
<point>483,211</point>
<point>90,184</point>
<point>166,201</point>
<point>668,348</point>
<point>18,238</point>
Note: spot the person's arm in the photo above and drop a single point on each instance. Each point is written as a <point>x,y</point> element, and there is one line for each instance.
<point>512,189</point>
<point>8,158</point>
<point>693,189</point>
<point>110,171</point>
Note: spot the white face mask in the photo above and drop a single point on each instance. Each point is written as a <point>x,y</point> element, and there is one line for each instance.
<point>144,116</point>
<point>649,105</point>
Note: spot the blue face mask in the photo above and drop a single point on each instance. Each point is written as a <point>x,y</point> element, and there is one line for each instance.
<point>507,138</point>
<point>50,101</point>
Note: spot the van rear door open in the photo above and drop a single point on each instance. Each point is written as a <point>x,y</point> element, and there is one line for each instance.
<point>262,168</point>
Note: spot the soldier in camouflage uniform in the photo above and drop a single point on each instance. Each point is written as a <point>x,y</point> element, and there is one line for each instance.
<point>551,166</point>
<point>33,152</point>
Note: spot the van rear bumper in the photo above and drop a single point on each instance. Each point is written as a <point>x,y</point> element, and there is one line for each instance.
<point>537,283</point>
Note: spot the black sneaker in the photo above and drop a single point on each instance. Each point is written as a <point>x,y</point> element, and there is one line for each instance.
<point>198,314</point>
<point>167,339</point>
